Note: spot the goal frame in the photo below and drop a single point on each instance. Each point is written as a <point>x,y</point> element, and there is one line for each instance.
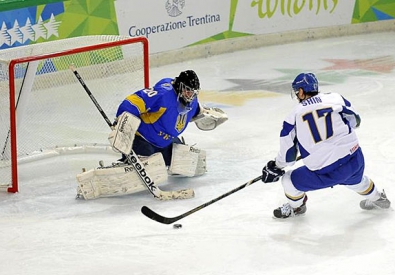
<point>14,188</point>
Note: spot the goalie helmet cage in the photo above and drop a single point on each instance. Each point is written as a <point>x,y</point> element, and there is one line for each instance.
<point>44,109</point>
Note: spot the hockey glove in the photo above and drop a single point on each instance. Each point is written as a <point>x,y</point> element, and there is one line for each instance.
<point>209,118</point>
<point>122,136</point>
<point>271,173</point>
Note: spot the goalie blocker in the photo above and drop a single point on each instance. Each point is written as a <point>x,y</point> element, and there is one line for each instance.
<point>122,136</point>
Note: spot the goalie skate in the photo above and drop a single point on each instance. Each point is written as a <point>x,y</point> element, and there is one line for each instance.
<point>79,193</point>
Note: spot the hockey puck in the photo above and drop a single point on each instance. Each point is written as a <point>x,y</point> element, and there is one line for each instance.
<point>177,226</point>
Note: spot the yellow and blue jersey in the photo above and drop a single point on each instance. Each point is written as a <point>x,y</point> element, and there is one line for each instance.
<point>162,119</point>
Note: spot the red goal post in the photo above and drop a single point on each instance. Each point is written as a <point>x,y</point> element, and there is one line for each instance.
<point>44,110</point>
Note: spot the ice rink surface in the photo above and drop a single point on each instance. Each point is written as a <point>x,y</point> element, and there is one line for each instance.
<point>45,230</point>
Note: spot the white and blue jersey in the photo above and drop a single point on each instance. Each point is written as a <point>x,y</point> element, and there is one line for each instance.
<point>162,116</point>
<point>321,129</point>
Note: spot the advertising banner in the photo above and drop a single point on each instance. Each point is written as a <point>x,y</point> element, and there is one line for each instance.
<point>172,24</point>
<point>272,16</point>
<point>53,21</point>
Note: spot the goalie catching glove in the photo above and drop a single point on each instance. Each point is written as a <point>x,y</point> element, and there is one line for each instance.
<point>271,173</point>
<point>209,118</point>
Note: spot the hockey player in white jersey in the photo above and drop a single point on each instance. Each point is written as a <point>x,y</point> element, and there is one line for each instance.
<point>321,128</point>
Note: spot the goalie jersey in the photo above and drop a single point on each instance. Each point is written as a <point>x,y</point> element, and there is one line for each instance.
<point>321,128</point>
<point>163,117</point>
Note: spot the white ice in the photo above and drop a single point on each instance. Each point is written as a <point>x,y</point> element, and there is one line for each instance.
<point>45,230</point>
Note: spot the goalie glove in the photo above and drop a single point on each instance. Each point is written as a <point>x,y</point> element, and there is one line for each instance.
<point>271,173</point>
<point>209,118</point>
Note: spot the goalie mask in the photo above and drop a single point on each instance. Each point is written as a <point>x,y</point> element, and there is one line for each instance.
<point>187,87</point>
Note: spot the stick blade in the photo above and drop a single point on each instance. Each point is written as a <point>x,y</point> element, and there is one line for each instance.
<point>156,217</point>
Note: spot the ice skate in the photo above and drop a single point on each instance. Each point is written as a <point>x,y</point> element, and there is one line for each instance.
<point>286,211</point>
<point>381,203</point>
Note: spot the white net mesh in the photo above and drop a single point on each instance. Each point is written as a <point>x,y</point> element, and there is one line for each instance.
<point>48,95</point>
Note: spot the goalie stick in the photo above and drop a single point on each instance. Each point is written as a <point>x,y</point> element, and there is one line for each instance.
<point>159,218</point>
<point>134,160</point>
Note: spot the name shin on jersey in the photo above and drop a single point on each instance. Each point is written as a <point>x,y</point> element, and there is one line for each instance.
<point>311,100</point>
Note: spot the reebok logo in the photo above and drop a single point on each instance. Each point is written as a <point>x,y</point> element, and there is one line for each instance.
<point>194,150</point>
<point>129,169</point>
<point>142,173</point>
<point>123,123</point>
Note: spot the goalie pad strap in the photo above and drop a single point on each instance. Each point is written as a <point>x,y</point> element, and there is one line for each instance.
<point>187,161</point>
<point>120,180</point>
<point>121,138</point>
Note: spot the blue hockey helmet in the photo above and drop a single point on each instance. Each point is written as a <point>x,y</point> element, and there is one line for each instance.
<point>307,81</point>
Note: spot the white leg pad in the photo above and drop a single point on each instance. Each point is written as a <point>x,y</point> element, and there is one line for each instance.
<point>187,161</point>
<point>201,167</point>
<point>119,180</point>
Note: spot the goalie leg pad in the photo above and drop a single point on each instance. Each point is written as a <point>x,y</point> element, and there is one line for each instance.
<point>187,161</point>
<point>201,165</point>
<point>121,138</point>
<point>120,180</point>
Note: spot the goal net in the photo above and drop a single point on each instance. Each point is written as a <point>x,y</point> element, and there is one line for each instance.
<point>44,109</point>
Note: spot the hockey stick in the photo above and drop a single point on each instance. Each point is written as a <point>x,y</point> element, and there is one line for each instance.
<point>134,159</point>
<point>159,218</point>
